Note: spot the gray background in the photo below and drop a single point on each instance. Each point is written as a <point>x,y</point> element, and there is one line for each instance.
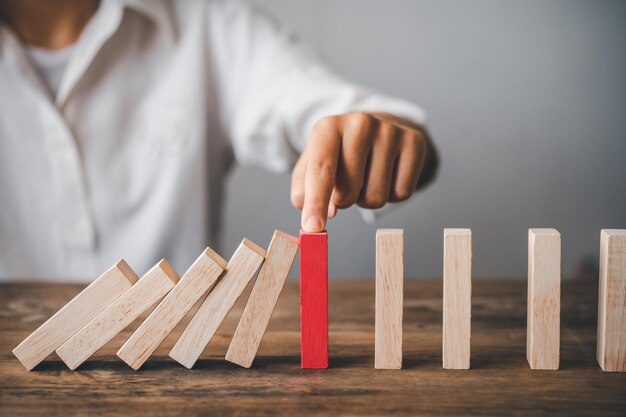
<point>526,101</point>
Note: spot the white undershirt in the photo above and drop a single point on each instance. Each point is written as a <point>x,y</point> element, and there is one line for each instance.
<point>51,64</point>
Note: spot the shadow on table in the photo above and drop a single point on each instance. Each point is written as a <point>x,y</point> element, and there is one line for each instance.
<point>483,358</point>
<point>495,358</point>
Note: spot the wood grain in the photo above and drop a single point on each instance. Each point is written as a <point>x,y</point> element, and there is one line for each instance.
<point>314,300</point>
<point>153,286</point>
<point>544,299</point>
<point>389,298</point>
<point>193,285</point>
<point>75,314</point>
<point>611,349</point>
<point>256,316</point>
<point>219,301</point>
<point>499,383</point>
<point>457,298</point>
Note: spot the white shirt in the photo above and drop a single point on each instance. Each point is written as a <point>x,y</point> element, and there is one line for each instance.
<point>127,160</point>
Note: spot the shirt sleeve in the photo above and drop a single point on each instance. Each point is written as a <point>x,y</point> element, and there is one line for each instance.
<point>273,89</point>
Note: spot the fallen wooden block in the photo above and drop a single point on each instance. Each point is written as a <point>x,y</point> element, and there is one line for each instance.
<point>146,292</point>
<point>611,352</point>
<point>544,299</point>
<point>200,330</point>
<point>457,298</point>
<point>194,284</point>
<point>256,315</point>
<point>314,300</point>
<point>74,315</point>
<point>389,297</point>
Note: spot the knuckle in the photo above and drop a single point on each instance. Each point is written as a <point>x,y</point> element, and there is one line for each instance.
<point>388,135</point>
<point>316,209</point>
<point>414,145</point>
<point>388,130</point>
<point>360,121</point>
<point>323,169</point>
<point>345,198</point>
<point>374,201</point>
<point>325,124</point>
<point>415,139</point>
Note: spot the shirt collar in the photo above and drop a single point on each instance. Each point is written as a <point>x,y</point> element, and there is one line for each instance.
<point>158,12</point>
<point>99,29</point>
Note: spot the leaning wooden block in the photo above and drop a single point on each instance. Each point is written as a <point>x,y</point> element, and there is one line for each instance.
<point>194,284</point>
<point>200,330</point>
<point>314,300</point>
<point>75,314</point>
<point>256,315</point>
<point>389,296</point>
<point>457,298</point>
<point>544,298</point>
<point>611,353</point>
<point>146,292</point>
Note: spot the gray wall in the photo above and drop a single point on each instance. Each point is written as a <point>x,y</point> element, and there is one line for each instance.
<point>527,103</point>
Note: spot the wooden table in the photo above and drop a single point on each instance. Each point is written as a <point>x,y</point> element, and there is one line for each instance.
<point>499,383</point>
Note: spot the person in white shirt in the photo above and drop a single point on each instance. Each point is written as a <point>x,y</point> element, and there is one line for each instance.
<point>120,118</point>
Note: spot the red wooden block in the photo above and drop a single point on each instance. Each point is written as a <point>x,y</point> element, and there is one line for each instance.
<point>314,300</point>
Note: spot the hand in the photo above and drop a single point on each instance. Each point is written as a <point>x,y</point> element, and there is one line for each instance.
<point>367,159</point>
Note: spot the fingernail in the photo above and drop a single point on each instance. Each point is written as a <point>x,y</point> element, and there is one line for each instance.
<point>313,224</point>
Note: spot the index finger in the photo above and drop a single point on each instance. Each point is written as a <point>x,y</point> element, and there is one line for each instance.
<point>323,153</point>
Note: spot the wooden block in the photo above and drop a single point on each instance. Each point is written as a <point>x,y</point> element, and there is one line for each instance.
<point>256,315</point>
<point>544,299</point>
<point>457,298</point>
<point>389,297</point>
<point>157,282</point>
<point>200,330</point>
<point>611,353</point>
<point>74,315</point>
<point>193,285</point>
<point>314,300</point>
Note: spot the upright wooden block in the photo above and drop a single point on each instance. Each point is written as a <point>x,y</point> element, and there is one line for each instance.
<point>611,353</point>
<point>457,298</point>
<point>194,284</point>
<point>314,300</point>
<point>200,330</point>
<point>256,315</point>
<point>389,297</point>
<point>544,299</point>
<point>146,292</point>
<point>74,315</point>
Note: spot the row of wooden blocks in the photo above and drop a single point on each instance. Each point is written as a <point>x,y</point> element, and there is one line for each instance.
<point>118,297</point>
<point>544,299</point>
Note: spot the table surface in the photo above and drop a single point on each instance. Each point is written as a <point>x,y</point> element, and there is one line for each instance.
<point>499,383</point>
